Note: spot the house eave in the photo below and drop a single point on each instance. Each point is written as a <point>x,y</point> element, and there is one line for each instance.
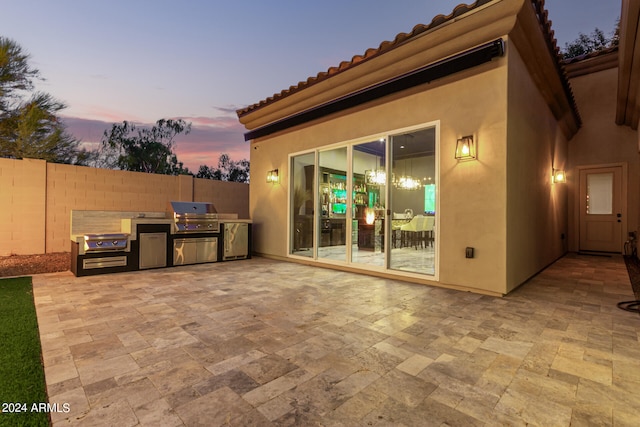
<point>604,60</point>
<point>522,22</point>
<point>628,104</point>
<point>427,74</point>
<point>448,39</point>
<point>537,46</point>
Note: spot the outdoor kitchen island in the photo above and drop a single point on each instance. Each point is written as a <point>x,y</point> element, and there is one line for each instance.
<point>111,242</point>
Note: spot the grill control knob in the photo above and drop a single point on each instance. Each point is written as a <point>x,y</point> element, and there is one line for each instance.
<point>99,243</point>
<point>115,242</point>
<point>210,225</point>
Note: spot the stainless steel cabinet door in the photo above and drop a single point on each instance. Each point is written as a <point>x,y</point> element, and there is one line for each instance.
<point>207,249</point>
<point>236,240</point>
<point>153,250</point>
<point>184,251</point>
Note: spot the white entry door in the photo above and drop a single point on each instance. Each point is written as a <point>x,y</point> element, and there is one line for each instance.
<point>601,209</point>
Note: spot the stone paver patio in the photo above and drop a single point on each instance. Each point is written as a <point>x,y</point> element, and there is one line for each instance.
<point>262,342</point>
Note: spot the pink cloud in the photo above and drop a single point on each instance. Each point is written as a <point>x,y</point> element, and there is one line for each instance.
<point>217,122</point>
<point>96,112</point>
<point>208,139</point>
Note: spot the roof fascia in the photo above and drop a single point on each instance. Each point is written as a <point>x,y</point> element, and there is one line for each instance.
<point>529,39</point>
<point>481,25</point>
<point>592,64</point>
<point>524,22</point>
<point>627,108</point>
<point>463,61</point>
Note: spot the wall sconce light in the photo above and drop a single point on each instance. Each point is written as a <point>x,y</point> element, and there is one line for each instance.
<point>272,177</point>
<point>466,148</point>
<point>558,176</point>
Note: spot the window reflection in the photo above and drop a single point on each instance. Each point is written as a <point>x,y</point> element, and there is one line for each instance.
<point>333,203</point>
<point>413,201</point>
<point>356,206</point>
<point>301,222</point>
<point>369,194</point>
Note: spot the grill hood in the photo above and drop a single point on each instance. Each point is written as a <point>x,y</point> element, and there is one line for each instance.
<point>194,217</point>
<point>192,208</point>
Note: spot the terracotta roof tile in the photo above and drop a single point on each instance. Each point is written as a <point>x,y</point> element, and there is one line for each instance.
<point>552,45</point>
<point>589,55</point>
<point>438,20</point>
<point>385,46</point>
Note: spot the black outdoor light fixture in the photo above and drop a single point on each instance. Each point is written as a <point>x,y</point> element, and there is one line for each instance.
<point>272,177</point>
<point>466,148</point>
<point>559,176</point>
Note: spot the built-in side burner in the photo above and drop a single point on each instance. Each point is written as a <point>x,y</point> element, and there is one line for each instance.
<point>106,242</point>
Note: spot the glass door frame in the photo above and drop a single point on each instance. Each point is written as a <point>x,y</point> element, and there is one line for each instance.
<point>290,207</point>
<point>436,240</point>
<point>318,207</point>
<point>387,213</point>
<point>349,145</point>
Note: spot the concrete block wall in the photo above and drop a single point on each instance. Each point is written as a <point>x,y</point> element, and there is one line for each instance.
<point>37,199</point>
<point>22,196</point>
<point>228,197</point>
<point>83,188</point>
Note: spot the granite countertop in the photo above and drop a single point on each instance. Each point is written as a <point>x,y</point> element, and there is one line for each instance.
<point>129,225</point>
<point>128,222</point>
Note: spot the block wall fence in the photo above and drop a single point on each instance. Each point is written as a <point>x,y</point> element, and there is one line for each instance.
<point>36,199</point>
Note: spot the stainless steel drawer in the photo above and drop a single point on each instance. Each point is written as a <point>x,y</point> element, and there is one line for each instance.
<point>104,262</point>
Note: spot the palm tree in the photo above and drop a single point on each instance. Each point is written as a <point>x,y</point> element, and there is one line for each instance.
<point>31,128</point>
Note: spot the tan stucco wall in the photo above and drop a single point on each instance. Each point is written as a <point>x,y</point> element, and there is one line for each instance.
<point>472,194</point>
<point>536,208</point>
<point>38,197</point>
<point>514,220</point>
<point>600,141</point>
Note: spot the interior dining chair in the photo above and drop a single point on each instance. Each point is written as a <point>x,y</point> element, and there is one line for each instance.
<point>413,230</point>
<point>429,230</point>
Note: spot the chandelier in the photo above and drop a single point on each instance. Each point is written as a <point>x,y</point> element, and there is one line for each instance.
<point>407,183</point>
<point>377,177</point>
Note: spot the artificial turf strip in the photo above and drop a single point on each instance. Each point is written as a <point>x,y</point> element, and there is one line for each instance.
<point>21,372</point>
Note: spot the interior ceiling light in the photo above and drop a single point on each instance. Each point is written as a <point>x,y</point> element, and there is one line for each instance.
<point>377,176</point>
<point>408,183</point>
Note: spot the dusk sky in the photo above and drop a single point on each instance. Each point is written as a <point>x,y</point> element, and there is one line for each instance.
<point>141,61</point>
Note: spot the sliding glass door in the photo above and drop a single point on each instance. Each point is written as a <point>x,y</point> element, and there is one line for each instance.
<point>369,179</point>
<point>301,228</point>
<point>333,202</point>
<point>371,204</point>
<point>413,201</point>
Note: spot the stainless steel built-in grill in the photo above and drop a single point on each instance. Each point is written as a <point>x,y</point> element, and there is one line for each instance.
<point>106,242</point>
<point>194,217</point>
